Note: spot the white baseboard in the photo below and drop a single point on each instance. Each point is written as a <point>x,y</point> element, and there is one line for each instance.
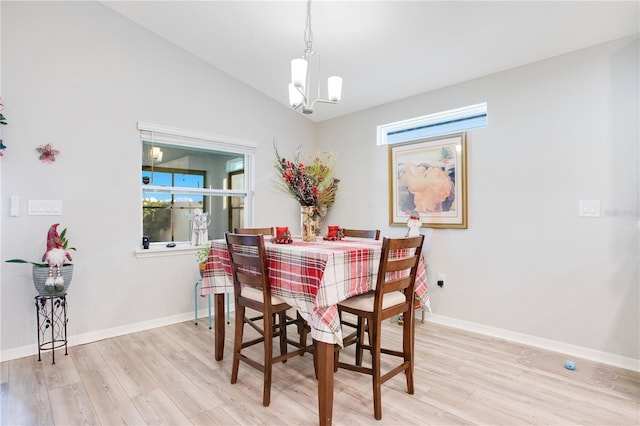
<point>81,339</point>
<point>552,345</point>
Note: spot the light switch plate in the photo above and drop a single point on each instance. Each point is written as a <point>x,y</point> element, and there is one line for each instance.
<point>15,205</point>
<point>44,207</point>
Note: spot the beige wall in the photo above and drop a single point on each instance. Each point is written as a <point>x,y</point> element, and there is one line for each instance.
<point>79,76</point>
<point>559,131</point>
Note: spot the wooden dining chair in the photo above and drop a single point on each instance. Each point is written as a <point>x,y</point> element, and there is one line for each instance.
<point>362,233</point>
<point>250,272</point>
<point>302,326</point>
<point>393,295</point>
<point>359,233</point>
<point>254,231</point>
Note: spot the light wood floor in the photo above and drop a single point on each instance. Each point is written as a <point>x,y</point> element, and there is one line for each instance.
<point>169,376</point>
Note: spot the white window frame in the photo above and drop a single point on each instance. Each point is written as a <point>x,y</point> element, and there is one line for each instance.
<point>438,124</point>
<point>167,135</point>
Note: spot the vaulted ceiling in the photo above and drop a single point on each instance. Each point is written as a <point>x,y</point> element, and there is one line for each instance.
<point>384,50</point>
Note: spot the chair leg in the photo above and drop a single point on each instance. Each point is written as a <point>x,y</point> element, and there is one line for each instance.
<point>407,348</point>
<point>237,343</point>
<point>282,317</point>
<point>315,358</point>
<point>268,355</point>
<point>359,350</point>
<point>374,338</point>
<point>302,330</point>
<point>195,303</point>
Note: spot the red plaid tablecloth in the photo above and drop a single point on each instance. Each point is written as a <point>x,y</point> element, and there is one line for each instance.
<point>313,277</point>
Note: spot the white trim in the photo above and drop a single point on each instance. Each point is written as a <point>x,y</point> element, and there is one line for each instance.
<point>551,345</point>
<point>161,134</point>
<point>195,191</point>
<point>439,117</point>
<point>161,250</point>
<point>82,339</point>
<point>197,139</point>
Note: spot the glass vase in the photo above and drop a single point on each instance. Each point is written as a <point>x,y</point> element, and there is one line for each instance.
<point>309,223</point>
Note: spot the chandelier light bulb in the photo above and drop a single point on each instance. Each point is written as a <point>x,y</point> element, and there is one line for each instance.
<point>334,88</point>
<point>299,72</point>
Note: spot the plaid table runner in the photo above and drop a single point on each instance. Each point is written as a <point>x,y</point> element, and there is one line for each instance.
<point>313,277</point>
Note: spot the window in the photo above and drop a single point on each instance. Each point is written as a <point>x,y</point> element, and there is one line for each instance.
<point>184,173</point>
<point>441,123</point>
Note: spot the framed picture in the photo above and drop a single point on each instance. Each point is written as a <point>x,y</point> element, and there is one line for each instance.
<point>429,178</point>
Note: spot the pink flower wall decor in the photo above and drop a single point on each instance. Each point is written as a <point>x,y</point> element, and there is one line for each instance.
<point>47,153</point>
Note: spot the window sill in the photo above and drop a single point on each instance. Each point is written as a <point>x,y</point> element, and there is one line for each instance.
<point>163,251</point>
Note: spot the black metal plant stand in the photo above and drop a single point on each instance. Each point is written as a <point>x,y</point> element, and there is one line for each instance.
<point>51,314</point>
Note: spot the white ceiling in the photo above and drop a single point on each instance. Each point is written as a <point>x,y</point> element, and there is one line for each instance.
<point>384,50</point>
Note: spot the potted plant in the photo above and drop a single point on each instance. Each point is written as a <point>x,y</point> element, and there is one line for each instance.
<point>201,256</point>
<point>52,275</point>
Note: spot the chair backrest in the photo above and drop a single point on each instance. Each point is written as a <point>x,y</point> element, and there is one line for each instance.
<point>397,271</point>
<point>254,231</point>
<point>249,267</point>
<point>362,233</point>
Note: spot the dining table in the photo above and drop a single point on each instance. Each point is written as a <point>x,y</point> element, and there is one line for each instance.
<point>312,277</point>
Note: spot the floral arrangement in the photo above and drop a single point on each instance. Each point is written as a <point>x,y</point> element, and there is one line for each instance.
<point>310,182</point>
<point>203,254</point>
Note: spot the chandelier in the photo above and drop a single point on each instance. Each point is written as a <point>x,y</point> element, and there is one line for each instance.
<point>299,88</point>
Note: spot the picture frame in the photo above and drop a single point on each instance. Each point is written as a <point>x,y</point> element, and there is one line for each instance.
<point>429,177</point>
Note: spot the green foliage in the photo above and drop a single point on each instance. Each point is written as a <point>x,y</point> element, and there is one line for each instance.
<point>65,240</point>
<point>203,253</point>
<point>41,265</point>
<point>156,216</point>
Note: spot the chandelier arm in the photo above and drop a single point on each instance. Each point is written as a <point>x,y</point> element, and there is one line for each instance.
<point>305,100</point>
<point>322,101</point>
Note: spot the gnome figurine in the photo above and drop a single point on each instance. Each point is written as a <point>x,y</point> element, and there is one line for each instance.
<point>414,223</point>
<point>55,256</point>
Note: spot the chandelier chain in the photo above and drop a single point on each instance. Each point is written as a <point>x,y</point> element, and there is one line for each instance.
<point>308,34</point>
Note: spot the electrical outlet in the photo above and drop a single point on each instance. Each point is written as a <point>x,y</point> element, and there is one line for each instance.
<point>441,279</point>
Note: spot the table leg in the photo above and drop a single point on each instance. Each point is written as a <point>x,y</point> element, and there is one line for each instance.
<point>219,326</point>
<point>324,352</point>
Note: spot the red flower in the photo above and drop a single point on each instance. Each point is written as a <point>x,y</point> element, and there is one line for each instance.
<point>310,185</point>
